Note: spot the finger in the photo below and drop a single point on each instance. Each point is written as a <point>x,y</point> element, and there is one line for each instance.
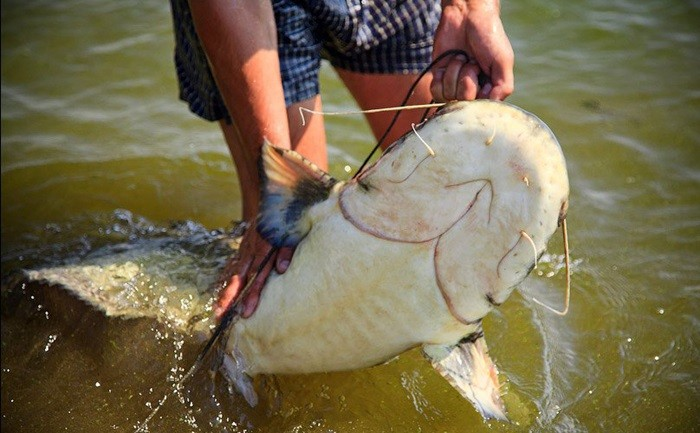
<point>485,91</point>
<point>501,92</point>
<point>467,82</point>
<point>502,79</point>
<point>227,295</point>
<point>436,85</point>
<point>232,289</point>
<point>284,257</point>
<point>451,77</point>
<point>250,303</point>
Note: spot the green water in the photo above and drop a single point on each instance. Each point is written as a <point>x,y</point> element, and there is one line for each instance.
<point>96,149</point>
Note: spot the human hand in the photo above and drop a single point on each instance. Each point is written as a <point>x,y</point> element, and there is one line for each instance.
<point>475,27</point>
<point>246,266</point>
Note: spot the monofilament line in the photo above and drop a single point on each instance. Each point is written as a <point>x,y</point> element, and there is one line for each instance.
<point>370,111</point>
<point>144,425</point>
<point>568,276</point>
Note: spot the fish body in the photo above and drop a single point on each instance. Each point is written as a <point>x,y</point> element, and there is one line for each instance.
<point>415,251</point>
<point>352,313</point>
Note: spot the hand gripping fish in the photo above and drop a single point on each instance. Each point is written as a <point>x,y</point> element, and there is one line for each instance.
<point>415,251</point>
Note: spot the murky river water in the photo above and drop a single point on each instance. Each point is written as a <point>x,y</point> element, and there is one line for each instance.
<point>97,150</point>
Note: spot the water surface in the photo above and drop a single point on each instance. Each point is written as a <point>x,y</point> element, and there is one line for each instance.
<point>97,150</point>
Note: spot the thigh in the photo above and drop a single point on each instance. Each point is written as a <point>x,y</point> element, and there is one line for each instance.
<point>387,90</point>
<point>309,138</point>
<point>380,67</point>
<point>299,50</point>
<point>197,86</point>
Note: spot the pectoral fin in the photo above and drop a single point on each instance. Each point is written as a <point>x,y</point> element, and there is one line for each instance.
<point>290,185</point>
<point>469,369</point>
<point>234,372</point>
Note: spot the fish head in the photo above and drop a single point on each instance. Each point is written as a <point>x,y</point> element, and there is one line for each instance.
<point>486,180</point>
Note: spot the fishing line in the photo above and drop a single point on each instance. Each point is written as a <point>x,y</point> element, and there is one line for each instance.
<point>370,111</point>
<point>404,102</point>
<point>482,80</point>
<point>230,316</point>
<point>567,297</point>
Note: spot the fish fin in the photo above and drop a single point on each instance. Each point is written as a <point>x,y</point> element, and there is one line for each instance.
<point>469,369</point>
<point>234,369</point>
<point>290,185</point>
<point>236,376</point>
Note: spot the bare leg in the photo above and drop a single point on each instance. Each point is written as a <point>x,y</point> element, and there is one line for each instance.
<point>240,40</point>
<point>387,90</point>
<point>310,139</point>
<point>246,169</point>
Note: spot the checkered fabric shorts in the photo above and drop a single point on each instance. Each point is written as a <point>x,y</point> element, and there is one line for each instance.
<point>393,36</point>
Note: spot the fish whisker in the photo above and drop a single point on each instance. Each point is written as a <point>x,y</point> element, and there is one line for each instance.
<point>430,149</point>
<point>534,247</point>
<point>567,297</point>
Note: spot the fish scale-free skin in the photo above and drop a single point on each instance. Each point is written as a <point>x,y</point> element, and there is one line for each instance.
<point>350,315</point>
<point>481,253</point>
<point>416,251</point>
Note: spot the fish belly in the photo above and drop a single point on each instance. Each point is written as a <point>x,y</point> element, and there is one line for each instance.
<point>349,300</point>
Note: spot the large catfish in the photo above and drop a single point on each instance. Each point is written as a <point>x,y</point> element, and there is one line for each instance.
<point>413,252</point>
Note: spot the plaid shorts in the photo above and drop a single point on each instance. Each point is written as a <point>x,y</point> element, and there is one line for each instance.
<point>379,37</point>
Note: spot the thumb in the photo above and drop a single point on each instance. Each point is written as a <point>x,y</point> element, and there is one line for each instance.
<point>502,80</point>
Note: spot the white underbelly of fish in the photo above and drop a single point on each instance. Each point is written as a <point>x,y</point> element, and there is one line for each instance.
<point>336,308</point>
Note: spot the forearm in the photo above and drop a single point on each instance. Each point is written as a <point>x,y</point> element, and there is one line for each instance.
<point>240,40</point>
